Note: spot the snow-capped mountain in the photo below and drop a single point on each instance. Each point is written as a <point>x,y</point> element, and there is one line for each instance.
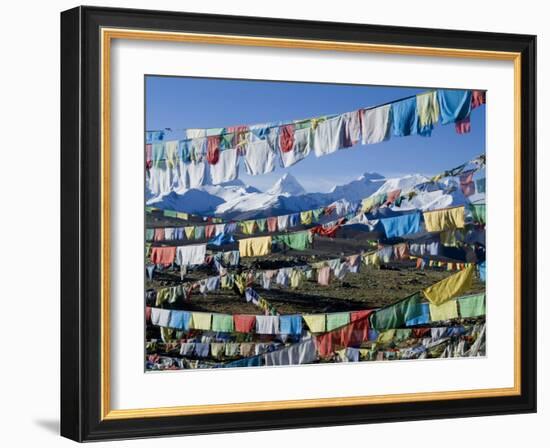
<point>286,195</point>
<point>286,186</point>
<point>203,200</point>
<point>235,200</point>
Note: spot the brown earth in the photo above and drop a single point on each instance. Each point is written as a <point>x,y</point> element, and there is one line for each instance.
<point>371,288</point>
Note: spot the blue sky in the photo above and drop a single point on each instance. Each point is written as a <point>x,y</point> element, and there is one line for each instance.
<point>178,102</point>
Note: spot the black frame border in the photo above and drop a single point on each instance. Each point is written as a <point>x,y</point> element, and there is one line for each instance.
<point>81,224</point>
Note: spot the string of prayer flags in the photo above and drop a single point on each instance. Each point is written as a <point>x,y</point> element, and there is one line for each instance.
<point>212,155</point>
<point>451,341</point>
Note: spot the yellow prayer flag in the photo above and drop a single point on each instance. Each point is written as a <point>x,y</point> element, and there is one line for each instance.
<point>450,287</point>
<point>371,259</point>
<point>296,278</point>
<point>166,334</point>
<point>306,218</point>
<point>437,177</point>
<point>342,354</point>
<point>255,247</point>
<point>386,336</point>
<point>247,227</point>
<point>367,204</point>
<point>439,220</point>
<point>189,232</point>
<point>427,107</point>
<point>181,215</point>
<point>446,311</point>
<point>171,148</point>
<point>315,322</point>
<point>200,321</point>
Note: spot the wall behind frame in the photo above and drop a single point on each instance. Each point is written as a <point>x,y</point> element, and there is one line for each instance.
<point>30,109</point>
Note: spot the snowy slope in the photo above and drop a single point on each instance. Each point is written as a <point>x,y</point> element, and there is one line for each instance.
<point>358,189</point>
<point>405,183</point>
<point>205,199</point>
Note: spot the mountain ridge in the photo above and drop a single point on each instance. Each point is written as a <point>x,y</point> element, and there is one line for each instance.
<point>236,200</point>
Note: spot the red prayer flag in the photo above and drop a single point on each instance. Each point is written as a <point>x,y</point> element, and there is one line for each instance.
<point>352,334</point>
<point>478,98</point>
<point>244,323</point>
<point>209,231</point>
<point>213,149</point>
<point>463,126</point>
<point>272,224</point>
<point>286,138</point>
<point>163,255</point>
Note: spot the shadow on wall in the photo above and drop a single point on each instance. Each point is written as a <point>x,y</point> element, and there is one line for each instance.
<point>48,425</point>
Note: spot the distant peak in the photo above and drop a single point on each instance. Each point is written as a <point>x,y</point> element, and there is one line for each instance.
<point>370,176</point>
<point>287,184</point>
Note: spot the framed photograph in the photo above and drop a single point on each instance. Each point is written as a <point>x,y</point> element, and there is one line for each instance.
<point>277,224</point>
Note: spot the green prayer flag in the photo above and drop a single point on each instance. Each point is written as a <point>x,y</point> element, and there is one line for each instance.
<point>297,240</point>
<point>402,334</point>
<point>261,223</point>
<point>170,213</point>
<point>226,140</point>
<point>335,320</point>
<point>472,306</point>
<point>302,124</point>
<point>395,316</point>
<point>478,213</point>
<point>222,322</point>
